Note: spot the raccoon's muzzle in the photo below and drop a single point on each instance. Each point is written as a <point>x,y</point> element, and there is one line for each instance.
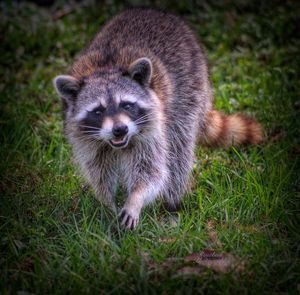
<point>120,131</point>
<point>119,142</point>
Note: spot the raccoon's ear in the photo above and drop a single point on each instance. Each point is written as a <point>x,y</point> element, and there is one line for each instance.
<point>67,87</point>
<point>141,71</point>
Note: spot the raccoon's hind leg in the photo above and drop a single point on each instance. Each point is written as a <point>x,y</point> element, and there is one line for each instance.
<point>177,186</point>
<point>183,139</point>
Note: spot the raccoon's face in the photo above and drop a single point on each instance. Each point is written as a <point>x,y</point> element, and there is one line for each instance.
<point>113,111</point>
<point>110,107</point>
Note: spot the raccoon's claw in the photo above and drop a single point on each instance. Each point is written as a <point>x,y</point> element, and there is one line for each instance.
<point>128,220</point>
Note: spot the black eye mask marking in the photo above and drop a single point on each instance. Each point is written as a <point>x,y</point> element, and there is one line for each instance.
<point>98,110</point>
<point>128,106</point>
<point>93,119</point>
<point>133,110</point>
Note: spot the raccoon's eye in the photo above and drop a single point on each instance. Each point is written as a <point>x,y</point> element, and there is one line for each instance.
<point>127,105</point>
<point>98,111</point>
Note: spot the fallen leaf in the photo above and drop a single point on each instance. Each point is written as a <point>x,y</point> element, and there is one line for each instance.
<point>221,263</point>
<point>218,262</point>
<point>210,227</point>
<point>189,270</point>
<point>167,264</point>
<point>167,239</point>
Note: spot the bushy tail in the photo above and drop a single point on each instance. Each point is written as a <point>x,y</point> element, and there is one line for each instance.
<point>225,131</point>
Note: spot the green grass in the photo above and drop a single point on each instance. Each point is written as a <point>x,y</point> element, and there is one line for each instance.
<point>57,239</point>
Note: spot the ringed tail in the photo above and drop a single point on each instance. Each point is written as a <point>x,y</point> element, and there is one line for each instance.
<point>231,130</point>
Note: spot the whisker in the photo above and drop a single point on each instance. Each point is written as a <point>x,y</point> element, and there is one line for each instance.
<point>142,120</point>
<point>86,136</point>
<point>90,131</point>
<point>141,123</point>
<point>91,127</point>
<point>145,116</point>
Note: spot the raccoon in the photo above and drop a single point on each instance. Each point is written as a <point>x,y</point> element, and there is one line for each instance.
<point>136,102</point>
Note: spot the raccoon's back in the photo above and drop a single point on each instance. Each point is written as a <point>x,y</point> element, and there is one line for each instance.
<point>158,33</point>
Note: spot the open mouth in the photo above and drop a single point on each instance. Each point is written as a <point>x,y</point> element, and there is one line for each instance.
<point>119,142</point>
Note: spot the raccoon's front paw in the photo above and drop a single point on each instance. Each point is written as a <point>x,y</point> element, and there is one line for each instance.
<point>129,218</point>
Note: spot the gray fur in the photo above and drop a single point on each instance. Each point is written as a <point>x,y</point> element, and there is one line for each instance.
<point>173,86</point>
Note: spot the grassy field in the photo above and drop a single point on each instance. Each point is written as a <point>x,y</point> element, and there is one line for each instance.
<point>57,239</point>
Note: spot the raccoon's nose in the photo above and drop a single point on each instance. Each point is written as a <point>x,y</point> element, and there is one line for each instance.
<point>120,129</point>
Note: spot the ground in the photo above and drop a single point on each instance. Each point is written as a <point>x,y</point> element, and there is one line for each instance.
<point>243,211</point>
